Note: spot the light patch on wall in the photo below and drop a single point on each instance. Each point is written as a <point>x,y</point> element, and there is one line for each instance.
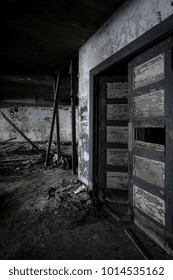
<point>86,156</point>
<point>35,123</point>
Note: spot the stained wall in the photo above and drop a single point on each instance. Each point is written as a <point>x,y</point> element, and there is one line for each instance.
<point>133,19</point>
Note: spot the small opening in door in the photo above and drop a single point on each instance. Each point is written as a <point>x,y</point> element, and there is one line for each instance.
<point>155,135</point>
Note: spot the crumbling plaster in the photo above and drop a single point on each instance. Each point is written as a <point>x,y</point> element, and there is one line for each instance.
<point>133,19</point>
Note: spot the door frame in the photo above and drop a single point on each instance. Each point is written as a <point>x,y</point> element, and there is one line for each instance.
<point>155,35</point>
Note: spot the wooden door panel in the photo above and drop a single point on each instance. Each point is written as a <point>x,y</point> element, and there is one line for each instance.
<point>117,157</point>
<point>149,72</point>
<point>113,121</point>
<point>144,201</point>
<point>117,89</point>
<point>117,112</point>
<point>151,171</point>
<point>117,180</point>
<point>117,134</point>
<point>150,188</point>
<point>149,105</point>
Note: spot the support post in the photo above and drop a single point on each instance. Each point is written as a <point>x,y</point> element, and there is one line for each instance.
<point>53,119</point>
<point>73,120</point>
<point>21,133</point>
<point>57,121</point>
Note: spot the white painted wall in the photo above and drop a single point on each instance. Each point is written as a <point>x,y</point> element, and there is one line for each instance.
<point>133,19</point>
<point>34,122</point>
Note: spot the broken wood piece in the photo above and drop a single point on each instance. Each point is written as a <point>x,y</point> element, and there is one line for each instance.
<point>80,189</point>
<point>20,132</point>
<point>6,141</point>
<point>138,244</point>
<point>110,212</point>
<point>84,196</point>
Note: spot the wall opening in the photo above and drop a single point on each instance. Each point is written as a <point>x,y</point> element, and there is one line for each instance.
<point>155,135</point>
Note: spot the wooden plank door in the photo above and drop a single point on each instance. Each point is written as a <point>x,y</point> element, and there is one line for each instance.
<point>150,143</point>
<point>113,139</point>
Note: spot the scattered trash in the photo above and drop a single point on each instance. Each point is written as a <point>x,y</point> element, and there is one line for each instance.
<point>55,158</point>
<point>84,196</point>
<point>80,189</point>
<point>72,197</point>
<point>23,155</point>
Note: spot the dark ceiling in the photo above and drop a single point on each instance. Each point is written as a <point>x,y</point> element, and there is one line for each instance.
<point>39,36</point>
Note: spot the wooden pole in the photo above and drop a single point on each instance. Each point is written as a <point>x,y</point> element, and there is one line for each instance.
<point>6,141</point>
<point>57,122</point>
<point>138,244</point>
<point>21,133</point>
<point>73,120</point>
<point>53,120</point>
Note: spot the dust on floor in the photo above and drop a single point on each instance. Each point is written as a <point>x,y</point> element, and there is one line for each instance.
<point>33,225</point>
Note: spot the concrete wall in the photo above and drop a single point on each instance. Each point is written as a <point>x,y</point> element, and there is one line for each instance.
<point>34,122</point>
<point>133,19</point>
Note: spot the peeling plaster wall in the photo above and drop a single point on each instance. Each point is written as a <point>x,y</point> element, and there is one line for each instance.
<point>133,19</point>
<point>34,122</point>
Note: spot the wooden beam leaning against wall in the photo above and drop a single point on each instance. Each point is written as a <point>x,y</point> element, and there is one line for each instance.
<point>55,114</point>
<point>20,132</point>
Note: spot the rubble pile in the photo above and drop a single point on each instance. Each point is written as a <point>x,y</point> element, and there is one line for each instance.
<point>73,197</point>
<point>15,156</point>
<point>65,162</point>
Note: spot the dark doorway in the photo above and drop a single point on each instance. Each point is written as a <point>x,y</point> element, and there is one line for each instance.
<point>112,138</point>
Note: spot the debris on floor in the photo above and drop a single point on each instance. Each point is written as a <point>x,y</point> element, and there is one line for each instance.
<point>21,155</point>
<point>42,218</point>
<point>63,162</point>
<point>73,197</point>
<point>18,156</point>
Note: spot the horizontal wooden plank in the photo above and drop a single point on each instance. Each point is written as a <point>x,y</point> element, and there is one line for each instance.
<point>149,146</point>
<point>149,72</point>
<point>117,180</point>
<point>149,170</point>
<point>117,90</point>
<point>117,134</point>
<point>149,204</point>
<point>149,226</point>
<point>118,196</point>
<point>149,105</point>
<point>117,156</point>
<point>117,111</point>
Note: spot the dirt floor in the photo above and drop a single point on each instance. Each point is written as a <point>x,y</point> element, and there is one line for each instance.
<point>36,224</point>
